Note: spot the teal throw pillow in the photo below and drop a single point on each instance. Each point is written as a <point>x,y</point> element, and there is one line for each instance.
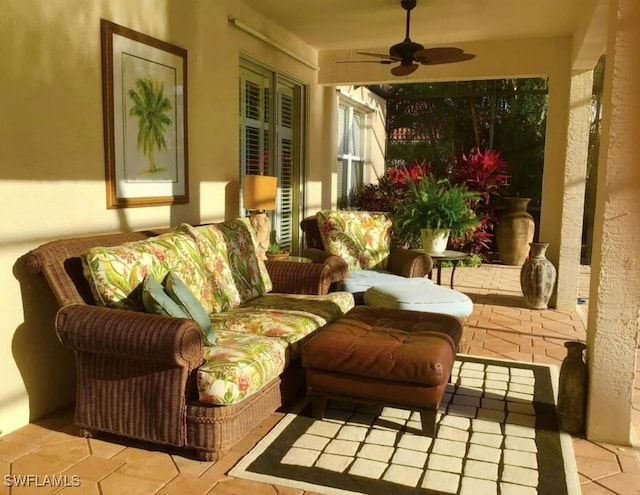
<point>175,299</point>
<point>189,304</point>
<point>157,301</point>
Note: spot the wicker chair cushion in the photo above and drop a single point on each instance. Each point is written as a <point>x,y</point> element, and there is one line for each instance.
<point>249,271</point>
<point>215,257</point>
<point>361,238</point>
<point>115,274</point>
<point>239,365</point>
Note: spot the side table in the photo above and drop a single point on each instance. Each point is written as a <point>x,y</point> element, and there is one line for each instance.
<point>293,259</point>
<point>454,256</point>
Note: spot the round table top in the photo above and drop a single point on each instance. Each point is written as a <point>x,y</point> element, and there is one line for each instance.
<point>449,255</point>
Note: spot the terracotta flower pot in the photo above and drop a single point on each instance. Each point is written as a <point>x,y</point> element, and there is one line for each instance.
<point>277,256</point>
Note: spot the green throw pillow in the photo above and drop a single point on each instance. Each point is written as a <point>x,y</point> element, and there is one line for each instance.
<point>175,299</point>
<point>157,301</point>
<point>184,298</point>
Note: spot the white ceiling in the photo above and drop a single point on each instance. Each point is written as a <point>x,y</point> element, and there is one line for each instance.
<point>352,24</point>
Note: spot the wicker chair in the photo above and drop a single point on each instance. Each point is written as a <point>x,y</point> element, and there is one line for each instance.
<point>400,262</point>
<point>136,372</point>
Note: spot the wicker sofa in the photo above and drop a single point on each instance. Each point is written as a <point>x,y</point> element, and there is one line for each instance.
<point>150,376</point>
<point>362,240</point>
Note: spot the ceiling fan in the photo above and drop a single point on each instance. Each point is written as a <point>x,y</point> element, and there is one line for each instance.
<point>411,54</point>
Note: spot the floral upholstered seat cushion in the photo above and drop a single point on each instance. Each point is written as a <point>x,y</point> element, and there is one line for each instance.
<point>290,317</point>
<point>361,238</point>
<point>115,273</point>
<point>239,365</point>
<point>249,271</point>
<point>215,258</point>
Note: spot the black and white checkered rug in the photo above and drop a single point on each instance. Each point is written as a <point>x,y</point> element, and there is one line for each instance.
<point>497,434</point>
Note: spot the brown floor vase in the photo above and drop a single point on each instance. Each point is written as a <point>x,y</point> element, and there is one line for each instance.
<point>515,231</point>
<point>572,389</point>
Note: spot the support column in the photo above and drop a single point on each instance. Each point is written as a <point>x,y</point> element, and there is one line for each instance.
<point>555,154</point>
<point>614,306</point>
<point>575,176</point>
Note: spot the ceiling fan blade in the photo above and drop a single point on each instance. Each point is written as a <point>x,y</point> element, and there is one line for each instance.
<point>441,55</point>
<point>379,55</point>
<point>404,69</point>
<point>384,62</point>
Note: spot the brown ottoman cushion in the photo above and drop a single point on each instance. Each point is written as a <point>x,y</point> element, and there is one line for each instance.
<point>390,356</point>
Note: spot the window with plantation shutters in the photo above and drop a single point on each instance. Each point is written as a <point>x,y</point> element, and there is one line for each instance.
<point>270,142</point>
<point>351,152</point>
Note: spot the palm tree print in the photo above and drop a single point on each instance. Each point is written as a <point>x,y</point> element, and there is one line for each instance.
<point>151,107</point>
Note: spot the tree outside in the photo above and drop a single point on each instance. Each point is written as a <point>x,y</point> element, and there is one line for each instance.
<point>439,121</point>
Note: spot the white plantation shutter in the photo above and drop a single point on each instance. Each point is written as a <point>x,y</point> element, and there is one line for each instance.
<point>285,135</point>
<point>273,149</point>
<point>254,107</point>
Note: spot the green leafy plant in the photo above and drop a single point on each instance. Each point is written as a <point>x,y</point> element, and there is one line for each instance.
<point>436,204</point>
<point>275,248</point>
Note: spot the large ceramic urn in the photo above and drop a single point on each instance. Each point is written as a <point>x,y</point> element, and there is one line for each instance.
<point>537,277</point>
<point>515,231</point>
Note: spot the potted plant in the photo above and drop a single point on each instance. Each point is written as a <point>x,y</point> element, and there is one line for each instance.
<point>276,252</point>
<point>436,209</point>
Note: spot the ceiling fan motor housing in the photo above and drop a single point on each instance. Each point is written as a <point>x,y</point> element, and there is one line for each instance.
<point>405,50</point>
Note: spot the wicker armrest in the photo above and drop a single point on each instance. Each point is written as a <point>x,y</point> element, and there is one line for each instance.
<point>128,334</point>
<point>339,267</point>
<point>409,263</point>
<point>299,278</point>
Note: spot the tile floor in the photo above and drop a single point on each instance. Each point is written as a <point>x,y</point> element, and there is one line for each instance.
<point>499,326</point>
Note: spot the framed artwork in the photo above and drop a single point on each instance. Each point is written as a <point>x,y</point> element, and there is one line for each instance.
<point>144,85</point>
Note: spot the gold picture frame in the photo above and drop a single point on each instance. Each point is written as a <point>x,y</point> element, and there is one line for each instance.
<point>144,86</point>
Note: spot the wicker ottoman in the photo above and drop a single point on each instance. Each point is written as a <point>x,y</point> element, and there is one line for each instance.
<point>384,356</point>
<point>419,294</point>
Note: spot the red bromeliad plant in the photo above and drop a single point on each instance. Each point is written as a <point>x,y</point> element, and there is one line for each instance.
<point>486,173</point>
<point>392,188</point>
<point>483,172</point>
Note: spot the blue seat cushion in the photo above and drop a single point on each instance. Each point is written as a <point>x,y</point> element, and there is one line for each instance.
<point>361,280</point>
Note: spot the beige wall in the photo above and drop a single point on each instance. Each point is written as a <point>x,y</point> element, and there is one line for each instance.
<point>52,167</point>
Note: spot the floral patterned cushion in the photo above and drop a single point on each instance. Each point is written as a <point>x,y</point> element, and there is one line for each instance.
<point>115,274</point>
<point>329,306</point>
<point>361,238</point>
<point>255,341</point>
<point>249,271</point>
<point>215,257</point>
<point>238,366</point>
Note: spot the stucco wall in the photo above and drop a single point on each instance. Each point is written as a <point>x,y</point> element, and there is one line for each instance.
<point>52,167</point>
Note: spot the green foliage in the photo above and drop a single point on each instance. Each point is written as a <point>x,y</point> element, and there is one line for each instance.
<point>437,120</point>
<point>275,248</point>
<point>437,204</point>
